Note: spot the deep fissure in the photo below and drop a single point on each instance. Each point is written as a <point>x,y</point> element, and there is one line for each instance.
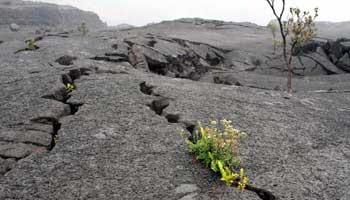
<point>160,104</point>
<point>62,95</point>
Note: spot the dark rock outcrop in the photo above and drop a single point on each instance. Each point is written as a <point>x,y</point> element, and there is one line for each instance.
<point>331,55</point>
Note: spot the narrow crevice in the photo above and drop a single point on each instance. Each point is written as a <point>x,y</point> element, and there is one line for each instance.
<point>58,35</point>
<point>74,107</point>
<point>146,89</point>
<point>114,59</point>
<point>25,142</point>
<point>151,43</point>
<point>66,60</point>
<point>27,49</point>
<point>262,193</point>
<point>159,105</point>
<point>173,118</point>
<point>66,79</point>
<point>56,126</point>
<point>116,54</point>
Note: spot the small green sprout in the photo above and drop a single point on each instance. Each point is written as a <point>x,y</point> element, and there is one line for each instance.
<point>70,88</point>
<point>30,44</point>
<point>55,139</point>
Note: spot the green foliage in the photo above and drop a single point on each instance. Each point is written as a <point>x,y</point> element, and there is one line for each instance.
<point>83,29</point>
<point>273,28</point>
<point>275,42</point>
<point>30,44</point>
<point>217,147</point>
<point>70,88</point>
<point>301,25</point>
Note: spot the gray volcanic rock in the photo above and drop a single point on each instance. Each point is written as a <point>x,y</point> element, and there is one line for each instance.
<point>344,62</point>
<point>14,27</point>
<point>116,136</point>
<point>26,13</point>
<point>123,27</point>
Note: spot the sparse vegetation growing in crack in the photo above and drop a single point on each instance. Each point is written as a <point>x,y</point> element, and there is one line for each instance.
<point>30,46</point>
<point>217,146</point>
<point>70,87</point>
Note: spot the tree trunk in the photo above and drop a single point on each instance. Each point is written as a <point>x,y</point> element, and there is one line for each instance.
<point>290,69</point>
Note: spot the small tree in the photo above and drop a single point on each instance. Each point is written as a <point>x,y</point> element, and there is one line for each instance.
<point>83,29</point>
<point>273,29</point>
<point>300,26</point>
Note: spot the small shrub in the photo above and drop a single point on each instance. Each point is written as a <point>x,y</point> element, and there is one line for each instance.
<point>217,147</point>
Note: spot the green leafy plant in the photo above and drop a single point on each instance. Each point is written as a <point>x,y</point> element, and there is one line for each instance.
<point>30,44</point>
<point>70,88</point>
<point>83,29</point>
<point>217,147</point>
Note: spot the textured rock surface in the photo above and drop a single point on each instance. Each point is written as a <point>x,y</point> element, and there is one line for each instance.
<point>117,135</point>
<point>28,13</point>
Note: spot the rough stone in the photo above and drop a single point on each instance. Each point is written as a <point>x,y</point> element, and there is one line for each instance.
<point>30,136</point>
<point>344,63</point>
<point>226,79</point>
<point>14,27</point>
<point>297,148</point>
<point>190,197</point>
<point>15,150</point>
<point>6,165</point>
<point>186,188</point>
<point>44,14</point>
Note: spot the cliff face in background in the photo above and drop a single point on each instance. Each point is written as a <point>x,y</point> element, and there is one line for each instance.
<point>26,13</point>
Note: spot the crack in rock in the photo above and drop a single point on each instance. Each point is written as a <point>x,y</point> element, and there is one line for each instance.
<point>66,60</point>
<point>173,118</point>
<point>146,89</point>
<point>62,95</point>
<point>159,105</point>
<point>114,59</point>
<point>27,49</point>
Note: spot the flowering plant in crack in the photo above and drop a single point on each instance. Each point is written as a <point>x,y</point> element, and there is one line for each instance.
<point>216,146</point>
